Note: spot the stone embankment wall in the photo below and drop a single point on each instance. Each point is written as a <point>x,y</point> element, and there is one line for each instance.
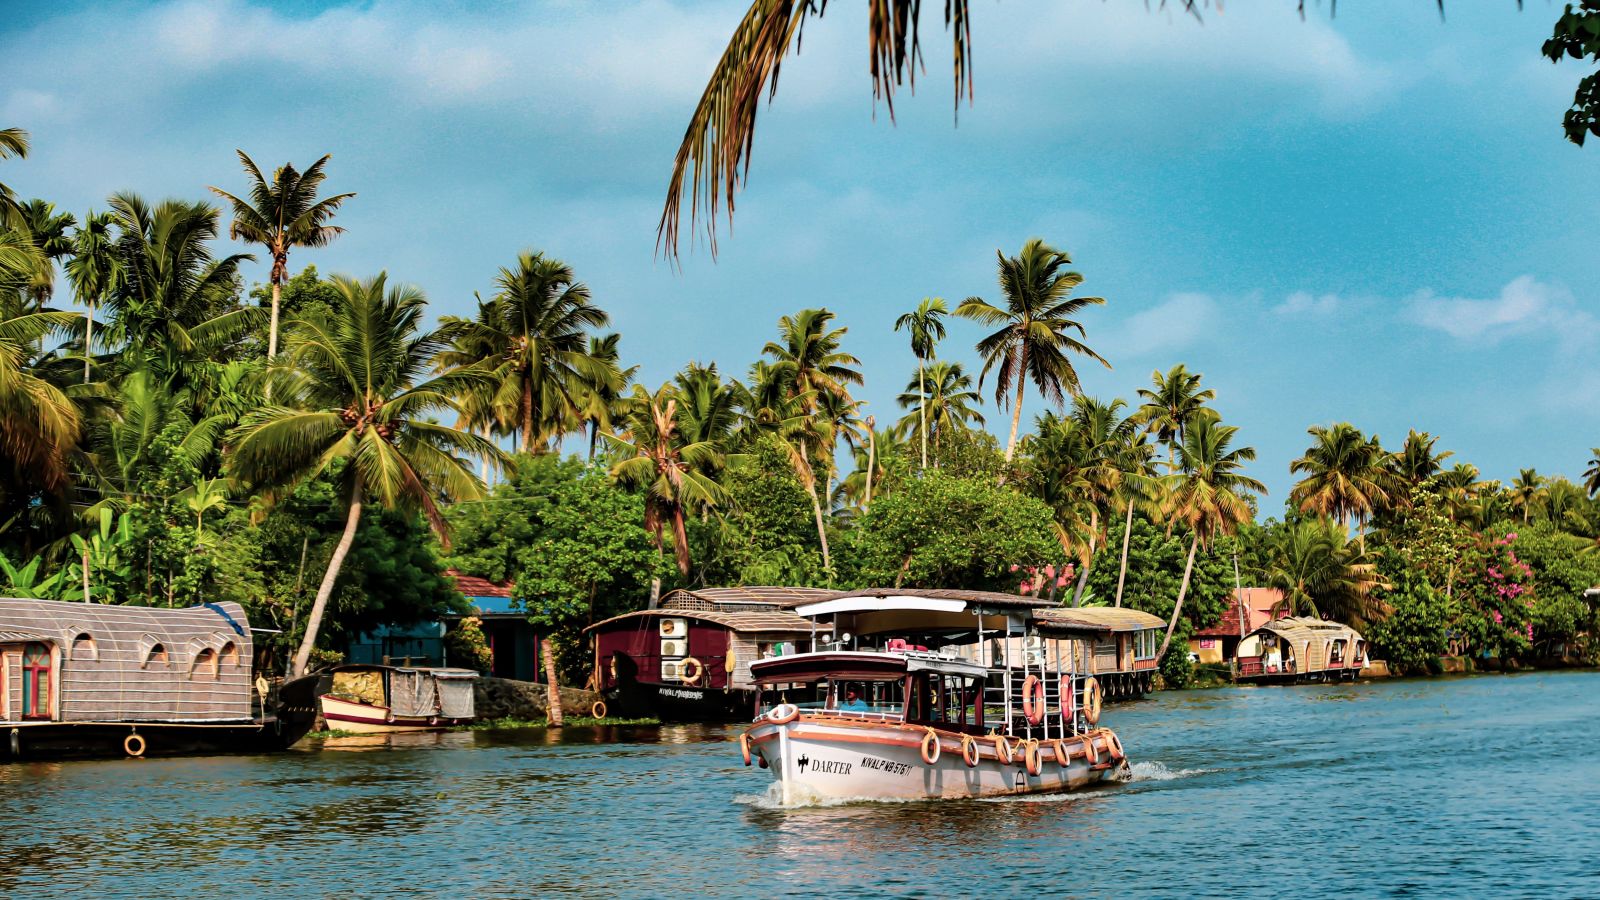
<point>502,698</point>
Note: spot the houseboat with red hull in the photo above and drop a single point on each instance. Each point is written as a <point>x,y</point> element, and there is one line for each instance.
<point>689,659</point>
<point>923,694</point>
<point>85,680</point>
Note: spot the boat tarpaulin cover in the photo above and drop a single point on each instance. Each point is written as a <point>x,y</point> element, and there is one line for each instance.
<point>411,693</point>
<point>455,698</point>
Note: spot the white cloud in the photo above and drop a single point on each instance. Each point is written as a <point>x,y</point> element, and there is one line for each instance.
<point>1304,303</point>
<point>1181,320</point>
<point>1525,306</point>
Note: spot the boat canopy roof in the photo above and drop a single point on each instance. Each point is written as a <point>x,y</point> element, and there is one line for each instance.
<point>857,664</point>
<point>773,620</point>
<point>929,599</point>
<point>1095,620</point>
<point>1305,628</point>
<point>731,599</point>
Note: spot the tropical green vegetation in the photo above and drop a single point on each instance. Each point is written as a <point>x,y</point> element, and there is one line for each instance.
<point>160,448</point>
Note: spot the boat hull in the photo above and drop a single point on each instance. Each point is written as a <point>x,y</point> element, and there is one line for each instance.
<point>681,703</point>
<point>817,759</point>
<point>364,718</point>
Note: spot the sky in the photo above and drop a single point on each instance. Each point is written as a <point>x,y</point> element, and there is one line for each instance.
<point>1370,218</point>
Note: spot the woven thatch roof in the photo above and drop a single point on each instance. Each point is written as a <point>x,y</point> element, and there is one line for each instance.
<point>1097,618</point>
<point>990,599</point>
<point>777,596</point>
<point>1304,628</point>
<point>740,622</point>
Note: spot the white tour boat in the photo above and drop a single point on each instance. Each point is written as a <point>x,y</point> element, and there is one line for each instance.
<point>949,694</point>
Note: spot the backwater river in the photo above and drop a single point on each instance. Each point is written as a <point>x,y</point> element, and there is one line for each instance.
<point>1464,787</point>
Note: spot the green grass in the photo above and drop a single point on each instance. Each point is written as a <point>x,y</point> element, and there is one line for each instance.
<point>331,733</point>
<point>499,724</point>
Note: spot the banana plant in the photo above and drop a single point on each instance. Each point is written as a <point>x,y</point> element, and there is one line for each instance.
<point>23,581</point>
<point>101,557</point>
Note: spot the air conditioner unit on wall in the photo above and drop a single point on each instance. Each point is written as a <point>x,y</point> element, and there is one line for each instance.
<point>674,648</point>
<point>674,628</point>
<point>672,670</point>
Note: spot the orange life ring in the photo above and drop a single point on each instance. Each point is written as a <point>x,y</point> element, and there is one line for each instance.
<point>699,670</point>
<point>744,747</point>
<point>1063,758</point>
<point>1090,751</point>
<point>969,751</point>
<point>1114,746</point>
<point>783,714</point>
<point>931,756</point>
<point>1003,750</point>
<point>1069,708</point>
<point>1030,757</point>
<point>133,745</point>
<point>1092,696</point>
<point>1033,699</point>
<point>597,709</point>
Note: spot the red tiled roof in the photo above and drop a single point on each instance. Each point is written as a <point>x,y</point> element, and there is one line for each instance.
<point>1259,601</point>
<point>473,586</point>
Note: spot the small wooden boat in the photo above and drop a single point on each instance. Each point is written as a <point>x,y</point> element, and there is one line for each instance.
<point>940,701</point>
<point>372,699</point>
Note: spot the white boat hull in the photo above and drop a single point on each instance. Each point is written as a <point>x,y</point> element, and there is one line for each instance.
<point>364,718</point>
<point>830,759</point>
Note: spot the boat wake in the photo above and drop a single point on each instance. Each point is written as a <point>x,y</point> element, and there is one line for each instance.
<point>1158,771</point>
<point>772,798</point>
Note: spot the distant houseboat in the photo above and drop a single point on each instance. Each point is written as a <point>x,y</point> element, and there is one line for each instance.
<point>689,659</point>
<point>370,699</point>
<point>1122,644</point>
<point>1301,649</point>
<point>89,679</point>
<point>1248,609</point>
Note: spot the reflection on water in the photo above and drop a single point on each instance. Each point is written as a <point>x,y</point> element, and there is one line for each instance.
<point>1477,787</point>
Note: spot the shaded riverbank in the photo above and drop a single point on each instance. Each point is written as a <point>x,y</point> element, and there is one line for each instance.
<point>1458,786</point>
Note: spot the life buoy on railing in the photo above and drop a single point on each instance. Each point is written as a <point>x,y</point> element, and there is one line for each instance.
<point>1091,700</point>
<point>930,747</point>
<point>969,751</point>
<point>1063,758</point>
<point>744,747</point>
<point>693,669</point>
<point>1030,757</point>
<point>1003,750</point>
<point>598,709</point>
<point>1069,705</point>
<point>783,714</point>
<point>1033,699</point>
<point>133,745</point>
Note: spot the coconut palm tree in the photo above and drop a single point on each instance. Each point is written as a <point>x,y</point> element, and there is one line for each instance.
<point>1525,492</point>
<point>352,399</point>
<point>678,476</point>
<point>13,144</point>
<point>280,215</point>
<point>1591,475</point>
<point>600,401</point>
<point>1321,571</point>
<point>50,231</point>
<point>174,307</point>
<point>806,363</point>
<point>926,327</point>
<point>1348,475</point>
<point>117,446</point>
<point>39,422</point>
<point>1034,339</point>
<point>1417,462</point>
<point>865,480</point>
<point>1207,494</point>
<point>942,401</point>
<point>1459,486</point>
<point>1071,461</point>
<point>93,271</point>
<point>1175,400</point>
<point>534,335</point>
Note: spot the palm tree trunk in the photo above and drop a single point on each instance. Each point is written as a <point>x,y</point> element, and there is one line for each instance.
<point>816,506</point>
<point>1016,408</point>
<point>680,540</point>
<point>872,459</point>
<point>552,688</point>
<point>302,657</point>
<point>1083,576</point>
<point>1183,589</point>
<point>88,340</point>
<point>484,463</point>
<point>527,414</point>
<point>922,411</point>
<point>1127,531</point>
<point>272,333</point>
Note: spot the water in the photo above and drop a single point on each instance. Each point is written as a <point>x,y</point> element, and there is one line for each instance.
<point>1484,786</point>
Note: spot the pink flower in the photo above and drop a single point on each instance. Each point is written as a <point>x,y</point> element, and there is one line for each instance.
<point>1511,537</point>
<point>1050,571</point>
<point>1061,581</point>
<point>1014,567</point>
<point>1498,619</point>
<point>1023,589</point>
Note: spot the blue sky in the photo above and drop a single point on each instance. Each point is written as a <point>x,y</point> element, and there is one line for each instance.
<point>1373,218</point>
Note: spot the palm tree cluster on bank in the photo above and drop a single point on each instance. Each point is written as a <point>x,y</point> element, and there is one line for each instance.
<point>170,406</point>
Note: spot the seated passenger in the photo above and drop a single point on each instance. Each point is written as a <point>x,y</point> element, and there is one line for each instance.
<point>853,701</point>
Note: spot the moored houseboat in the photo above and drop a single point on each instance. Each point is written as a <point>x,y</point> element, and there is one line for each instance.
<point>689,659</point>
<point>1122,644</point>
<point>377,699</point>
<point>1300,649</point>
<point>929,694</point>
<point>89,679</point>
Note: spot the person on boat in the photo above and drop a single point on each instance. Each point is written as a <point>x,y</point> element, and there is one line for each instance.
<point>853,701</point>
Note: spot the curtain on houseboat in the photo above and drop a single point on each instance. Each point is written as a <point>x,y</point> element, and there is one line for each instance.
<point>411,693</point>
<point>455,697</point>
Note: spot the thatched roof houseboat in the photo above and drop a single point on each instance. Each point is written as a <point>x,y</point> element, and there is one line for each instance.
<point>93,679</point>
<point>1123,644</point>
<point>1302,649</point>
<point>689,658</point>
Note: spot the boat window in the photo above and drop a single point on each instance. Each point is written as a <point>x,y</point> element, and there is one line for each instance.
<point>83,646</point>
<point>875,697</point>
<point>35,681</point>
<point>230,654</point>
<point>155,653</point>
<point>1336,656</point>
<point>205,662</point>
<point>1145,643</point>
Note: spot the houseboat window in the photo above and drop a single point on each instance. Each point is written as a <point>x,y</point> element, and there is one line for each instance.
<point>230,654</point>
<point>1145,644</point>
<point>205,662</point>
<point>83,647</point>
<point>157,653</point>
<point>36,681</point>
<point>1337,654</point>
